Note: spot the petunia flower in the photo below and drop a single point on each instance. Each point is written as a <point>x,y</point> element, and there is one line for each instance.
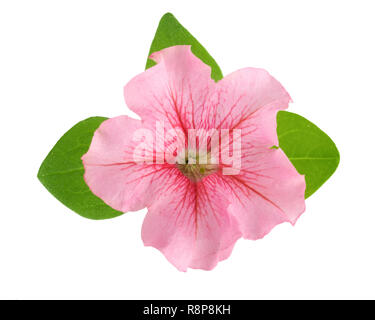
<point>197,209</point>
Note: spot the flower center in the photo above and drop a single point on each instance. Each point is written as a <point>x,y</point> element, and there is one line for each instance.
<point>196,166</point>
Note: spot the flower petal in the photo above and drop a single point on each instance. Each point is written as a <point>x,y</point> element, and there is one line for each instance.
<point>115,176</point>
<point>172,90</point>
<point>191,226</point>
<point>248,99</point>
<point>268,191</point>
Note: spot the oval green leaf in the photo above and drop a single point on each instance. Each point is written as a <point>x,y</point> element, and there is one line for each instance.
<point>311,151</point>
<point>171,33</point>
<point>62,172</point>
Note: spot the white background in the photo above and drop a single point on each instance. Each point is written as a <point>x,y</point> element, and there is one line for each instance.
<point>63,61</point>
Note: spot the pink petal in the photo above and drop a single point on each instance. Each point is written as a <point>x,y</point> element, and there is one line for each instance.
<point>268,191</point>
<point>171,91</point>
<point>191,226</point>
<point>114,176</point>
<point>248,99</point>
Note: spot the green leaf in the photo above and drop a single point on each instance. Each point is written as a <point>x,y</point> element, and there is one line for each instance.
<point>171,33</point>
<point>311,151</point>
<point>62,172</point>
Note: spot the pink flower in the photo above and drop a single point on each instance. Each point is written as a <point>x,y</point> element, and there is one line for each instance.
<point>196,212</point>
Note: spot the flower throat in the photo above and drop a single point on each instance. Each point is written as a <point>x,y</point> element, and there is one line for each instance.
<point>196,166</point>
